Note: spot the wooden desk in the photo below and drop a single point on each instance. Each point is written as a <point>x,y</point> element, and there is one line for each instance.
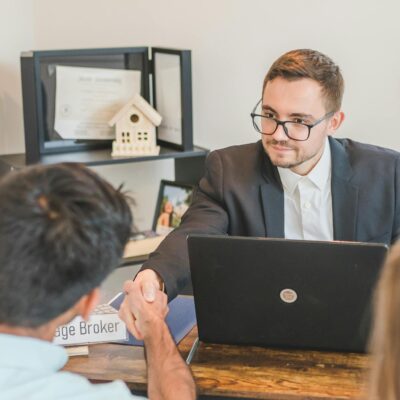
<point>232,371</point>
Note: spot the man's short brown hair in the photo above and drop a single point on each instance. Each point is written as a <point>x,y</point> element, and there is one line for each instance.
<point>306,63</point>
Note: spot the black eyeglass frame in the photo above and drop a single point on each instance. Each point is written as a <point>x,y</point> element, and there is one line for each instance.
<point>283,123</point>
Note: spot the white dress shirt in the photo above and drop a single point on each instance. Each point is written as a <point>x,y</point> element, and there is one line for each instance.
<point>308,201</point>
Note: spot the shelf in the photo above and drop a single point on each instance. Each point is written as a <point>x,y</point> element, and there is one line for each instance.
<point>101,157</point>
<point>189,165</point>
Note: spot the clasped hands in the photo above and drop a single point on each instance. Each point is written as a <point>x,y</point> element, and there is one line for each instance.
<point>145,305</point>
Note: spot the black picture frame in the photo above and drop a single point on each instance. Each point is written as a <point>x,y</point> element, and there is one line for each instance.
<point>38,92</point>
<point>177,193</point>
<point>177,134</point>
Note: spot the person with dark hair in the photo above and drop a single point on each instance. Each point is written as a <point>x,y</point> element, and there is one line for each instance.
<point>62,231</point>
<point>297,182</point>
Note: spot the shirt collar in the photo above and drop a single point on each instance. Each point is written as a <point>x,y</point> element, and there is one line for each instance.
<point>320,175</point>
<point>289,179</point>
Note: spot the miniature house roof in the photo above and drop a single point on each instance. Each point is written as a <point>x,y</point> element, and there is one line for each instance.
<point>142,105</point>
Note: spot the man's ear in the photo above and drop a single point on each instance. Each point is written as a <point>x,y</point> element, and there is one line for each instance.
<point>87,303</point>
<point>335,122</point>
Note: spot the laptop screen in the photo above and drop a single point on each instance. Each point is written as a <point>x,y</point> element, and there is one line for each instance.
<point>284,293</point>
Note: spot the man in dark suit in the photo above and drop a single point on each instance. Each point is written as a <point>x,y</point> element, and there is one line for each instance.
<point>297,182</point>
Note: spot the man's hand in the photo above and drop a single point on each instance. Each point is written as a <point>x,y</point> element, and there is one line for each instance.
<point>169,378</point>
<point>143,311</point>
<point>144,306</point>
<point>146,285</point>
<point>146,282</point>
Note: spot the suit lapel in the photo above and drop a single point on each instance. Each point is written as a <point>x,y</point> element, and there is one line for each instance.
<point>272,201</point>
<point>344,197</point>
<point>344,194</point>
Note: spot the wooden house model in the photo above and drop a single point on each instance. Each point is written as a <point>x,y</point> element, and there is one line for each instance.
<point>135,129</point>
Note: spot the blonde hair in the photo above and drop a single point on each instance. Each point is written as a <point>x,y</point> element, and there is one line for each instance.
<point>384,382</point>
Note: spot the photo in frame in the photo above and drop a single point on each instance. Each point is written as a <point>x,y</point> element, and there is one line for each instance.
<point>174,199</point>
<point>172,96</point>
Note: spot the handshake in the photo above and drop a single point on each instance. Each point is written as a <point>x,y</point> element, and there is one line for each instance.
<point>145,305</point>
<point>143,310</point>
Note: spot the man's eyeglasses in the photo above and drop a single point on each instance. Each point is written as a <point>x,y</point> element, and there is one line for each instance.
<point>268,125</point>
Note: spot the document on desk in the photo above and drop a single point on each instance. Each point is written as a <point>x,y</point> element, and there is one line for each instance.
<point>87,98</point>
<point>142,247</point>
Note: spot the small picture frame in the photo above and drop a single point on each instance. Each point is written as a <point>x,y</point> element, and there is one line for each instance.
<point>172,97</point>
<point>174,199</point>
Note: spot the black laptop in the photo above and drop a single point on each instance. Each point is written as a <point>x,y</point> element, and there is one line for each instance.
<point>284,293</point>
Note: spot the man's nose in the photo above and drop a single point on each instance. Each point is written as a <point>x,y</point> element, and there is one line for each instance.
<point>280,135</point>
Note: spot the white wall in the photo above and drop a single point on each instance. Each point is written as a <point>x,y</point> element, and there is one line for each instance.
<point>16,34</point>
<point>235,41</point>
<point>233,44</point>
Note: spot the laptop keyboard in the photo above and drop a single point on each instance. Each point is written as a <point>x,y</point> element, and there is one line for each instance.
<point>104,309</point>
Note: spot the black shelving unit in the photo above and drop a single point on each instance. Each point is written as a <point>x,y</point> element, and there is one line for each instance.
<point>189,165</point>
<point>42,144</point>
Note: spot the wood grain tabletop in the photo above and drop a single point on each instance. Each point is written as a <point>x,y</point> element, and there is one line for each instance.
<point>238,371</point>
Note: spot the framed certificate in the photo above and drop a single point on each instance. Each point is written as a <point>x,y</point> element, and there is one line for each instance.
<point>70,95</point>
<point>41,72</point>
<point>172,96</point>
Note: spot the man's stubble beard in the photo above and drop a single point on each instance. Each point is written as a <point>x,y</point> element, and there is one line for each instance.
<point>276,163</point>
<point>287,164</point>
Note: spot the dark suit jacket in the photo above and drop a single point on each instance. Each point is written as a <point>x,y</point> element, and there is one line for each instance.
<point>241,194</point>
